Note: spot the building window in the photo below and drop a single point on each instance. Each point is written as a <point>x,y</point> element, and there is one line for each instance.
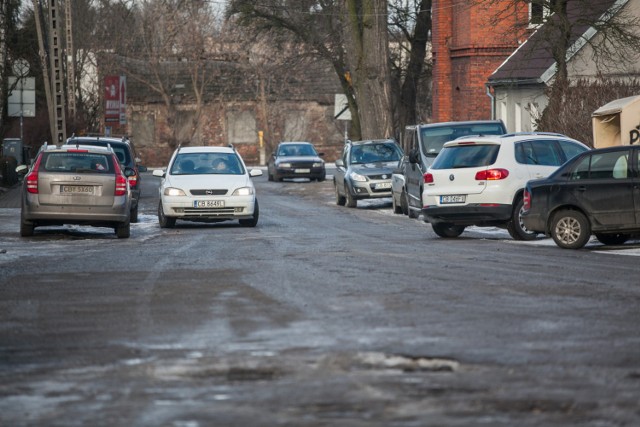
<point>538,12</point>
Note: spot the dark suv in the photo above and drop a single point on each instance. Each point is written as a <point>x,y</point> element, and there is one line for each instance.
<point>126,153</point>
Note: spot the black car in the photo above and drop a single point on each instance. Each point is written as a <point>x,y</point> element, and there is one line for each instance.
<point>596,192</point>
<point>126,153</point>
<point>296,160</point>
<point>364,170</point>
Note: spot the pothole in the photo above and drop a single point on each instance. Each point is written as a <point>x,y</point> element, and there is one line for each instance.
<point>407,363</point>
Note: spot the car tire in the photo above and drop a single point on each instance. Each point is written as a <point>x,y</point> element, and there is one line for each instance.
<point>403,203</point>
<point>123,230</point>
<point>447,231</point>
<point>254,220</point>
<point>340,200</point>
<point>516,227</point>
<point>397,209</point>
<point>26,227</point>
<point>322,178</point>
<point>570,229</point>
<point>350,201</point>
<point>134,215</point>
<point>165,221</point>
<point>612,239</point>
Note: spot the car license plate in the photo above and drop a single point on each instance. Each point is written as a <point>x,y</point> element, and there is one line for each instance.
<point>458,198</point>
<point>208,204</point>
<point>85,189</point>
<point>302,170</point>
<point>383,185</point>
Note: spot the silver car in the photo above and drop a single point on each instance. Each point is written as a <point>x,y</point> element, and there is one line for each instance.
<point>76,184</point>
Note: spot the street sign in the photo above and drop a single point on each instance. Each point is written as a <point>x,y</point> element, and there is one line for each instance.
<point>22,97</point>
<point>341,108</point>
<point>115,100</point>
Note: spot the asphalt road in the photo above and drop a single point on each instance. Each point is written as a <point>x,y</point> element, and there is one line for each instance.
<point>320,316</point>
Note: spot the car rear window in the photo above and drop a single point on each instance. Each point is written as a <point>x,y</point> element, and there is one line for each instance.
<point>74,162</point>
<point>466,156</point>
<point>433,138</point>
<point>120,148</point>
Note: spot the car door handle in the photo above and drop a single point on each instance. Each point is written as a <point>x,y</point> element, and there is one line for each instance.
<point>581,188</point>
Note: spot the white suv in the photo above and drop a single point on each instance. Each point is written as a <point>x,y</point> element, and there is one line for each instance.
<point>479,180</point>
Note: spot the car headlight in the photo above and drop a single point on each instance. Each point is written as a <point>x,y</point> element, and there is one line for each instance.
<point>318,165</point>
<point>357,177</point>
<point>172,191</point>
<point>243,191</point>
<point>284,165</point>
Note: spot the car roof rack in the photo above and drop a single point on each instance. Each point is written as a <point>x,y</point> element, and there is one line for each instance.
<point>507,135</point>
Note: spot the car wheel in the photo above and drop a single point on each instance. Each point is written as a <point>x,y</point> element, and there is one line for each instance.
<point>516,227</point>
<point>123,230</point>
<point>403,203</point>
<point>253,221</point>
<point>134,215</point>
<point>397,209</point>
<point>340,200</point>
<point>612,239</point>
<point>570,229</point>
<point>447,230</point>
<point>322,178</point>
<point>165,221</point>
<point>350,201</point>
<point>26,227</point>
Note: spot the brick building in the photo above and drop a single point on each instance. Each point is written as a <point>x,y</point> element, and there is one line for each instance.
<point>471,40</point>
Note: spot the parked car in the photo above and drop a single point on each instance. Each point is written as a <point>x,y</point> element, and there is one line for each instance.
<point>126,153</point>
<point>398,195</point>
<point>480,180</point>
<point>597,192</point>
<point>75,185</point>
<point>424,142</point>
<point>364,170</point>
<point>207,184</point>
<point>296,160</point>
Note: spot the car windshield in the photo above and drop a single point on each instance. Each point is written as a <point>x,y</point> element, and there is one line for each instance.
<point>207,164</point>
<point>466,156</point>
<point>296,150</point>
<point>375,153</point>
<point>433,138</point>
<point>74,162</point>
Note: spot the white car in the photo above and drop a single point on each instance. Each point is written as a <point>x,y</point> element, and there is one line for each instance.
<point>207,184</point>
<point>479,180</point>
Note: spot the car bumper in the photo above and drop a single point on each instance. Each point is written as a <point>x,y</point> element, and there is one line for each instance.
<point>371,189</point>
<point>236,207</point>
<point>311,173</point>
<point>468,214</point>
<point>534,222</point>
<point>89,215</point>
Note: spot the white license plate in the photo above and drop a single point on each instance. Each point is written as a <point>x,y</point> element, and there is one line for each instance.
<point>85,189</point>
<point>458,198</point>
<point>302,170</point>
<point>383,185</point>
<point>208,204</point>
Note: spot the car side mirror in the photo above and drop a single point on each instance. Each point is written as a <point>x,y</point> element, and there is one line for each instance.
<point>321,154</point>
<point>340,163</point>
<point>142,168</point>
<point>414,156</point>
<point>159,173</point>
<point>22,169</point>
<point>255,172</point>
<point>129,172</point>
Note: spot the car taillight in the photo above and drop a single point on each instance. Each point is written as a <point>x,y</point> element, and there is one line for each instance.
<point>428,178</point>
<point>121,180</point>
<point>526,199</point>
<point>32,178</point>
<point>133,180</point>
<point>492,175</point>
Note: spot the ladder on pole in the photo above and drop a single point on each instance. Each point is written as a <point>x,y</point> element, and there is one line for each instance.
<point>71,66</point>
<point>57,79</point>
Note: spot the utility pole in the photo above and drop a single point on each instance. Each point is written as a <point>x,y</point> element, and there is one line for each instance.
<point>57,79</point>
<point>71,63</point>
<point>43,64</point>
